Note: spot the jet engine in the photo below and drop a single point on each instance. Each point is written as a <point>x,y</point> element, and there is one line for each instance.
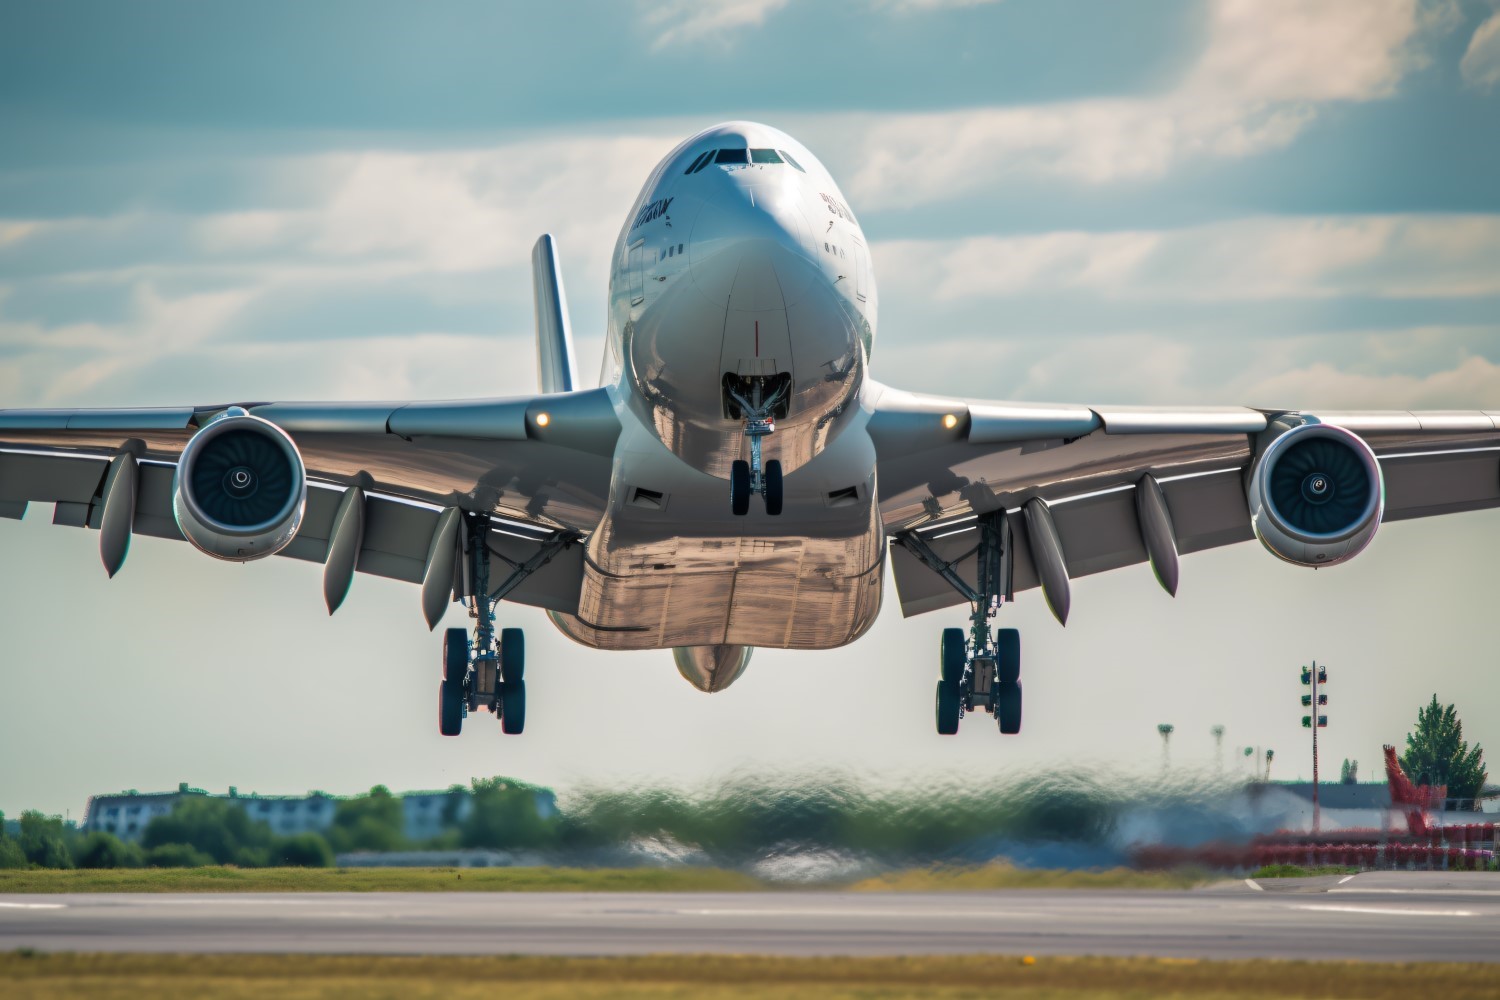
<point>240,488</point>
<point>1316,495</point>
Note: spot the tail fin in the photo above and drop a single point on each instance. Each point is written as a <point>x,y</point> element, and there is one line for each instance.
<point>556,369</point>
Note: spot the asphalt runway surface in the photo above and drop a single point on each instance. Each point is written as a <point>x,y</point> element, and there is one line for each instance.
<point>1373,916</point>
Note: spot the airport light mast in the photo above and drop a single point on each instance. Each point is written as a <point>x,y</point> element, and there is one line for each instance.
<point>1218,735</point>
<point>1313,677</point>
<point>1166,729</point>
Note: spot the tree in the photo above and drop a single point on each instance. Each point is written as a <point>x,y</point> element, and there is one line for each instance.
<point>220,829</point>
<point>505,814</point>
<point>11,855</point>
<point>104,850</point>
<point>302,850</point>
<point>373,822</point>
<point>1437,753</point>
<point>42,841</point>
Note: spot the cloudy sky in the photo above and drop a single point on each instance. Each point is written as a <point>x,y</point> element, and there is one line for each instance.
<point>1263,202</point>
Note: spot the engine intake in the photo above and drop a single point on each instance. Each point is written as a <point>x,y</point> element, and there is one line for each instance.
<point>1316,495</point>
<point>240,488</point>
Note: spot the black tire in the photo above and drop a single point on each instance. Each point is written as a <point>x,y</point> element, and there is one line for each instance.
<point>512,655</point>
<point>739,487</point>
<point>952,655</point>
<point>513,708</point>
<point>455,655</point>
<point>1008,655</point>
<point>773,488</point>
<point>948,705</point>
<point>450,708</point>
<point>1008,708</point>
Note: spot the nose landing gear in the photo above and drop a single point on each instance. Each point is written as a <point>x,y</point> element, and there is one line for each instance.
<point>746,478</point>
<point>980,670</point>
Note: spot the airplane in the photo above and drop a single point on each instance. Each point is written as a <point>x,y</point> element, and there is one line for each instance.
<point>737,478</point>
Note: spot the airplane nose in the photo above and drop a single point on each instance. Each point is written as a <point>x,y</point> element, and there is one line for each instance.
<point>761,228</point>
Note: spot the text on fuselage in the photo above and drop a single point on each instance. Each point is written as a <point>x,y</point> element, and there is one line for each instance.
<point>655,210</point>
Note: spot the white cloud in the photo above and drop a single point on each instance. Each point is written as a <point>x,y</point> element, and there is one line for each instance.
<point>1265,69</point>
<point>1480,65</point>
<point>1381,256</point>
<point>686,21</point>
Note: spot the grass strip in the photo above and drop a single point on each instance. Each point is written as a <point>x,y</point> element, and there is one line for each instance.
<point>229,879</point>
<point>1004,876</point>
<point>1297,871</point>
<point>40,976</point>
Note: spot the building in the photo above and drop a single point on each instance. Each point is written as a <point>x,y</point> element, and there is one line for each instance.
<point>426,814</point>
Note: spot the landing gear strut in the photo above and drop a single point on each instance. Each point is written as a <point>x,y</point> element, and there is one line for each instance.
<point>746,478</point>
<point>488,671</point>
<point>983,669</point>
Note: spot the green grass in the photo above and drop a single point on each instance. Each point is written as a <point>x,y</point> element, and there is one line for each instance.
<point>224,879</point>
<point>34,976</point>
<point>1297,871</point>
<point>1003,876</point>
<point>377,880</point>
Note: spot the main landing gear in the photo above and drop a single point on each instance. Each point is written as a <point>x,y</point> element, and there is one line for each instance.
<point>758,409</point>
<point>981,670</point>
<point>490,670</point>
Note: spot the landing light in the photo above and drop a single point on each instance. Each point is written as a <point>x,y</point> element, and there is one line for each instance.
<point>542,420</point>
<point>950,421</point>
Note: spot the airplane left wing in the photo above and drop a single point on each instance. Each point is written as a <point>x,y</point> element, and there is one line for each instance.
<point>1094,488</point>
<point>539,466</point>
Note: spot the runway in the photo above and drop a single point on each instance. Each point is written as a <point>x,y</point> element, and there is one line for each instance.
<point>1375,916</point>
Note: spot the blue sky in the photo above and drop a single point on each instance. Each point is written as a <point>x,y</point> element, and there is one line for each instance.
<point>1265,202</point>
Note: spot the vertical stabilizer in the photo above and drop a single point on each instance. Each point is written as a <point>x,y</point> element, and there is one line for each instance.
<point>554,334</point>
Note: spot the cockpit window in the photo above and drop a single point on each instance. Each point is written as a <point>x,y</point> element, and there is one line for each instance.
<point>733,156</point>
<point>699,163</point>
<point>787,157</point>
<point>764,156</point>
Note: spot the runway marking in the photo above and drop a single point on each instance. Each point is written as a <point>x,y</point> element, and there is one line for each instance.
<point>1255,885</point>
<point>1390,911</point>
<point>34,906</point>
<point>1423,892</point>
<point>886,914</point>
<point>1345,879</point>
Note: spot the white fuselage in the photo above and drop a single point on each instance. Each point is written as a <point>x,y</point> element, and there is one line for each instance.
<point>740,263</point>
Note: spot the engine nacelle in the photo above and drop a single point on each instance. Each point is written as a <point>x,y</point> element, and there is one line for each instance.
<point>240,488</point>
<point>1316,495</point>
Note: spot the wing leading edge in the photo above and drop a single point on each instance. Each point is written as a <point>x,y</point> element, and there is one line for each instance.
<point>538,466</point>
<point>944,461</point>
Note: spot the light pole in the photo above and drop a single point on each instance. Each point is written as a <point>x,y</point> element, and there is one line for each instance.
<point>1270,755</point>
<point>1166,729</point>
<point>1312,677</point>
<point>1218,734</point>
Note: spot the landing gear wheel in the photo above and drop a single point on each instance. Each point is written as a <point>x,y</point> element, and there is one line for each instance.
<point>948,705</point>
<point>1008,707</point>
<point>951,656</point>
<point>450,708</point>
<point>1008,655</point>
<point>773,487</point>
<point>512,655</point>
<point>513,707</point>
<point>739,487</point>
<point>455,655</point>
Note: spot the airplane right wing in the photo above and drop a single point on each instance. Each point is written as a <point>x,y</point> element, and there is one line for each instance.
<point>1096,488</point>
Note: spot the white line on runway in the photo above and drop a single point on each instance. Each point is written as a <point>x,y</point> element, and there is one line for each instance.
<point>1345,879</point>
<point>1390,911</point>
<point>1492,893</point>
<point>1255,885</point>
<point>34,906</point>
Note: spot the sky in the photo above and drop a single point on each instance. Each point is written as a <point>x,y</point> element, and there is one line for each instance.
<point>1270,203</point>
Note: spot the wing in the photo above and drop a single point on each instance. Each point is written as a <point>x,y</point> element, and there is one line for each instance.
<point>539,465</point>
<point>941,461</point>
